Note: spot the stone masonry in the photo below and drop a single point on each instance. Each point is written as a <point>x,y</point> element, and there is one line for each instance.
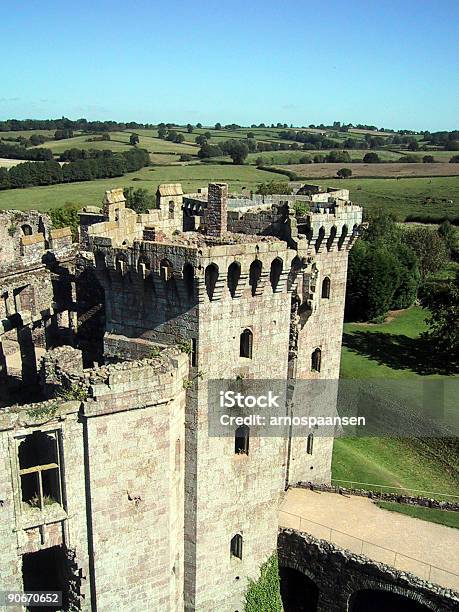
<point>146,505</point>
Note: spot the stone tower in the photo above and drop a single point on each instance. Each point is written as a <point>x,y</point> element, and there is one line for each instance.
<point>257,294</point>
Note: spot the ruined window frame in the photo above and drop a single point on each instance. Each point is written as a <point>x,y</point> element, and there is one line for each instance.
<point>56,434</point>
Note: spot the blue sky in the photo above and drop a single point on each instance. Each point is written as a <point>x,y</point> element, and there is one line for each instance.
<point>389,63</point>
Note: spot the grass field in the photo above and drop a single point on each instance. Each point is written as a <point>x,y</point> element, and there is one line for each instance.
<point>390,350</point>
<point>92,192</point>
<point>391,462</point>
<point>443,517</point>
<point>403,196</point>
<point>386,170</point>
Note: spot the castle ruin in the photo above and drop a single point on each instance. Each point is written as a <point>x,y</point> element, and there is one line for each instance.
<point>112,482</point>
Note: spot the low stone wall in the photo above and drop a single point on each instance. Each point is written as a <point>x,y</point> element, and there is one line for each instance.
<point>425,502</point>
<point>340,574</point>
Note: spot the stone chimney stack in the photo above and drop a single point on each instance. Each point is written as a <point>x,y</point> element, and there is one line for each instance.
<point>216,214</point>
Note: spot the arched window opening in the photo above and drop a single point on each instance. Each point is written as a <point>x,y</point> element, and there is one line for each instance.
<point>343,236</point>
<point>234,274</point>
<point>241,440</point>
<point>310,444</point>
<point>316,359</point>
<point>236,546</point>
<point>166,270</point>
<point>211,277</point>
<point>275,274</point>
<point>320,238</point>
<point>188,279</point>
<point>326,287</point>
<point>331,238</point>
<point>246,344</point>
<point>171,209</point>
<point>255,275</point>
<point>26,229</point>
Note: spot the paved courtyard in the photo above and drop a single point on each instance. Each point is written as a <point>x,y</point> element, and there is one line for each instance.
<point>426,549</point>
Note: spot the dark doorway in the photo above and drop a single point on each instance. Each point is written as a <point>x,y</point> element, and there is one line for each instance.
<point>383,601</point>
<point>45,571</point>
<point>299,593</point>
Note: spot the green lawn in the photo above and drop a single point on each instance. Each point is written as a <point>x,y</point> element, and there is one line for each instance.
<point>391,462</point>
<point>92,192</point>
<point>433,515</point>
<point>364,343</point>
<point>392,350</point>
<point>402,196</point>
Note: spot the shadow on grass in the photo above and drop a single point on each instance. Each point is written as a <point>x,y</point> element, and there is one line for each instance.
<point>397,351</point>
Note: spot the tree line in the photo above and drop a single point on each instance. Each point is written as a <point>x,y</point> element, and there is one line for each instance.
<point>18,125</point>
<point>30,174</point>
<point>11,151</point>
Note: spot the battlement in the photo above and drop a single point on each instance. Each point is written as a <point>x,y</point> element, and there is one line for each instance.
<point>158,376</point>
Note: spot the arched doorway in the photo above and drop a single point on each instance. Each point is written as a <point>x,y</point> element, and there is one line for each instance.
<point>298,592</point>
<point>375,600</point>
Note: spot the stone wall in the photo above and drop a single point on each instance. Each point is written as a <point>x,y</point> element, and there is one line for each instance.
<point>400,498</point>
<point>122,465</point>
<point>339,574</point>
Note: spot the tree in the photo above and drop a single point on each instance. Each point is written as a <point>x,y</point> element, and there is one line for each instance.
<point>454,159</point>
<point>429,248</point>
<point>250,135</point>
<point>373,277</point>
<point>179,138</point>
<point>208,150</point>
<point>189,128</point>
<point>200,140</point>
<point>344,173</point>
<point>449,236</point>
<point>338,157</point>
<point>134,139</point>
<point>442,302</point>
<point>185,157</point>
<point>260,161</point>
<point>383,271</point>
<point>66,216</point>
<point>218,126</point>
<point>162,130</point>
<point>428,159</point>
<point>371,158</point>
<point>413,145</point>
<point>274,187</point>
<point>199,126</point>
<point>237,150</point>
<point>140,200</point>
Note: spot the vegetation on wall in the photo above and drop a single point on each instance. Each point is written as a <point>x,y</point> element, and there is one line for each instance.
<point>264,594</point>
